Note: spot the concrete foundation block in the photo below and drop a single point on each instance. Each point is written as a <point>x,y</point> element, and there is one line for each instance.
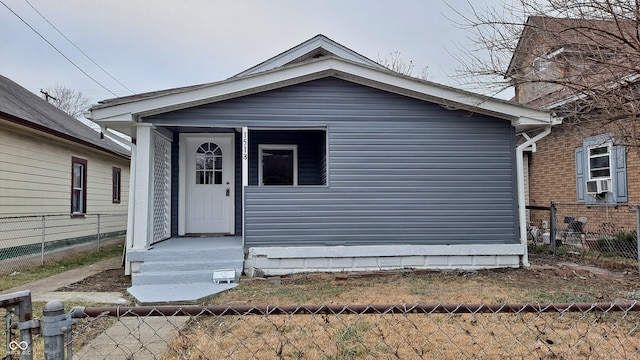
<point>366,263</point>
<point>342,263</point>
<point>484,261</point>
<point>413,261</point>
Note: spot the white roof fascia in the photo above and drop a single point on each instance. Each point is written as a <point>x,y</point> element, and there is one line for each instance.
<point>448,96</point>
<point>228,89</point>
<point>323,67</point>
<point>319,41</point>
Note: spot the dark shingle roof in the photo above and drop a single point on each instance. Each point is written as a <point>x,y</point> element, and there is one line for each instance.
<point>24,107</point>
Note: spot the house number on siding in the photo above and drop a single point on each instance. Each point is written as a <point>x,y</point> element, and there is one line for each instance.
<point>245,144</point>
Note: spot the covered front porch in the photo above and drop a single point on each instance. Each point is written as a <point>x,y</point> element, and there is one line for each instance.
<point>185,268</point>
<point>187,216</point>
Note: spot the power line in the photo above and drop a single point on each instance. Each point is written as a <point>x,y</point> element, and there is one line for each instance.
<point>74,45</point>
<point>56,49</point>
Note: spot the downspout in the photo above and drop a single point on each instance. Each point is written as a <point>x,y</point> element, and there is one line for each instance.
<point>522,214</point>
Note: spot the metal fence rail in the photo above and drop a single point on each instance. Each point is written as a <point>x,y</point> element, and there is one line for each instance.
<point>461,331</point>
<point>26,241</point>
<point>400,331</point>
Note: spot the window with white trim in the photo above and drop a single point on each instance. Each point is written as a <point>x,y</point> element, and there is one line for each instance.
<point>78,186</point>
<point>601,171</point>
<point>278,164</point>
<point>116,184</point>
<point>599,162</point>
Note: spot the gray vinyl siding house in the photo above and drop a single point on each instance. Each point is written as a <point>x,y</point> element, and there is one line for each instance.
<point>324,160</point>
<point>400,170</point>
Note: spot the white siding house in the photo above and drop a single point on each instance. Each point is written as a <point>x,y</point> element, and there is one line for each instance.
<point>39,145</point>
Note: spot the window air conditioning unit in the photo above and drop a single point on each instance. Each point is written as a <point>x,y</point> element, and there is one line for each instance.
<point>599,186</point>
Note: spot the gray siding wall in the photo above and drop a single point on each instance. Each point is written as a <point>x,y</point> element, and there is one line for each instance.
<point>400,170</point>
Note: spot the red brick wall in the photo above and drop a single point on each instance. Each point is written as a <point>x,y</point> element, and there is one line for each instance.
<point>552,175</point>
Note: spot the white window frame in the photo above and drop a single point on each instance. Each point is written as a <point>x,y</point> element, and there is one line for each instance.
<point>294,148</point>
<point>609,147</point>
<point>542,63</point>
<point>80,208</point>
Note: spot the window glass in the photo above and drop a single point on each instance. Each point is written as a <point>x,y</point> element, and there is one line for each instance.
<point>117,184</point>
<point>209,164</point>
<point>600,162</point>
<point>78,186</point>
<point>278,165</point>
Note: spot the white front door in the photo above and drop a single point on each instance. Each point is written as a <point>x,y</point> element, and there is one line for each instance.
<point>209,184</point>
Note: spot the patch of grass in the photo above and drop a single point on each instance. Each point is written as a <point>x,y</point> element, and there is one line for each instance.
<point>561,297</point>
<point>350,341</point>
<point>71,262</point>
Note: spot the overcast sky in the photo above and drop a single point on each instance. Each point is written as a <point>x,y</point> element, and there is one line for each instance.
<point>151,45</point>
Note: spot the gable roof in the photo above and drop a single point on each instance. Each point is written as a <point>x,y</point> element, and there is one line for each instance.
<point>23,107</point>
<point>296,66</point>
<point>315,47</point>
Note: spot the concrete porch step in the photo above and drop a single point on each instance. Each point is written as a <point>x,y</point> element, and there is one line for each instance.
<point>191,265</point>
<point>167,277</point>
<point>194,255</point>
<point>177,292</point>
<point>181,269</point>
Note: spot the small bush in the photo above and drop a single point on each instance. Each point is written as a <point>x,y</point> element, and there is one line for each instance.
<point>623,243</point>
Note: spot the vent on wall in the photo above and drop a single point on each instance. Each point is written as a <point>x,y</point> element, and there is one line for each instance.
<point>599,186</point>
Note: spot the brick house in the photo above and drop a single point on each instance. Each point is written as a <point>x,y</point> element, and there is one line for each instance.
<point>581,162</point>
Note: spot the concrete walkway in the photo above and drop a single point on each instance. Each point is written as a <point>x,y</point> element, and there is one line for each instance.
<point>128,338</point>
<point>134,338</point>
<point>45,289</point>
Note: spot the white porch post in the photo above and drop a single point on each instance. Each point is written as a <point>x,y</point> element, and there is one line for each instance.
<point>131,207</point>
<point>245,172</point>
<point>522,212</point>
<point>142,196</point>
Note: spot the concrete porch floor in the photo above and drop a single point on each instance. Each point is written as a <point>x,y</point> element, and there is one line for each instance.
<point>181,269</point>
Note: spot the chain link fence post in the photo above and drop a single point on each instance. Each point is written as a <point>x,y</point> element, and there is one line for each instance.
<point>55,325</point>
<point>98,232</point>
<point>638,231</point>
<point>44,231</point>
<point>552,227</point>
<point>20,303</point>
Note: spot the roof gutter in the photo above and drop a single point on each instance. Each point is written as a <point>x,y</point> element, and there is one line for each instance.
<point>522,215</point>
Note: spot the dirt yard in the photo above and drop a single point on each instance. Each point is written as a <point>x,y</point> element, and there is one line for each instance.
<point>497,336</point>
<point>547,280</point>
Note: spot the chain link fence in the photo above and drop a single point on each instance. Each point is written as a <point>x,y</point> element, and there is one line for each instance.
<point>26,241</point>
<point>434,331</point>
<point>604,231</point>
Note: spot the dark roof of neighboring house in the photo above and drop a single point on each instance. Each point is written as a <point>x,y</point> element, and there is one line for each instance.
<point>23,107</point>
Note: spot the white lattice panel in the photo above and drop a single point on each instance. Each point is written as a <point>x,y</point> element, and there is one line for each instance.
<point>161,188</point>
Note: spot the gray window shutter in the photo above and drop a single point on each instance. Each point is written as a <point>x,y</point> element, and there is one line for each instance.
<point>580,179</point>
<point>619,171</point>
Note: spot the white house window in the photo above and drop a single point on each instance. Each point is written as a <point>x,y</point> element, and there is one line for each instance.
<point>601,171</point>
<point>599,162</point>
<point>278,164</point>
<point>116,184</point>
<point>78,186</point>
<point>209,164</point>
<point>541,64</point>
